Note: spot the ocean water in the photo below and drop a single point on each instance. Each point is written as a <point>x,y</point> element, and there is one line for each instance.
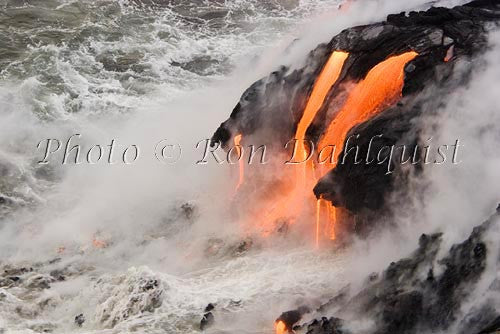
<point>115,70</point>
<point>105,56</point>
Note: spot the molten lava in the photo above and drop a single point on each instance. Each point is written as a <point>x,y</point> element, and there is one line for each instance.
<point>237,141</point>
<point>381,87</point>
<point>318,220</point>
<point>330,231</point>
<point>327,78</point>
<point>290,206</point>
<point>280,327</point>
<point>325,212</point>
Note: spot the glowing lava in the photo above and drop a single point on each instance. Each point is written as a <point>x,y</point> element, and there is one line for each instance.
<point>237,141</point>
<point>330,232</point>
<point>318,219</point>
<point>381,87</point>
<point>327,78</point>
<point>325,211</point>
<point>324,82</point>
<point>287,207</point>
<point>280,327</point>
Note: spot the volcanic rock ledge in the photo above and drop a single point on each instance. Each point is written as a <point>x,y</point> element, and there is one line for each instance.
<point>442,38</point>
<point>411,297</point>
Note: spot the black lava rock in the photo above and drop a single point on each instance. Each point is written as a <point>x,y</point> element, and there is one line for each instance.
<point>210,307</point>
<point>207,320</point>
<point>79,320</point>
<point>278,101</point>
<point>326,326</point>
<point>405,300</point>
<point>492,328</point>
<point>290,318</point>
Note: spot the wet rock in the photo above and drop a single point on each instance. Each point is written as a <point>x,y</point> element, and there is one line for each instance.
<point>55,260</point>
<point>201,65</point>
<point>123,62</point>
<point>207,320</point>
<point>26,311</point>
<point>150,285</point>
<point>278,100</point>
<point>79,320</point>
<point>290,318</point>
<point>6,282</point>
<point>411,297</point>
<point>210,307</point>
<point>58,275</point>
<point>242,247</point>
<point>339,299</point>
<point>373,277</point>
<point>38,281</point>
<point>492,328</point>
<point>326,326</point>
<point>188,210</point>
<point>16,271</point>
<point>479,318</point>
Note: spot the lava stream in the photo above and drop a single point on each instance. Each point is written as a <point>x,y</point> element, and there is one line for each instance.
<point>237,141</point>
<point>381,87</point>
<point>327,78</point>
<point>280,327</point>
<point>303,185</point>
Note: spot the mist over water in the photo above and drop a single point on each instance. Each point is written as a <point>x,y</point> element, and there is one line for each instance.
<point>139,72</point>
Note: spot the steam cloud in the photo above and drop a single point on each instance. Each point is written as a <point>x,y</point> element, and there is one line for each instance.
<point>124,204</point>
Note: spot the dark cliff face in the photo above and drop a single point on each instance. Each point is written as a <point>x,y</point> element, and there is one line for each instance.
<point>424,293</point>
<point>272,107</point>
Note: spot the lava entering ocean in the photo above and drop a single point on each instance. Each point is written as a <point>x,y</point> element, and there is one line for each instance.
<point>380,88</point>
<point>280,327</point>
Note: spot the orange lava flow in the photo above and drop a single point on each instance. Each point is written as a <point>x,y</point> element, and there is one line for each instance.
<point>332,218</point>
<point>325,212</point>
<point>280,327</point>
<point>318,220</point>
<point>381,87</point>
<point>327,78</point>
<point>291,205</point>
<point>237,141</point>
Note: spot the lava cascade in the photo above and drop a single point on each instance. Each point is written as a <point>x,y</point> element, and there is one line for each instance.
<point>380,88</point>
